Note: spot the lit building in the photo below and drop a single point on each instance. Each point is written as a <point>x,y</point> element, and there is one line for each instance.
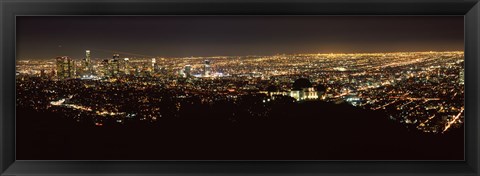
<point>155,68</point>
<point>187,70</point>
<point>207,69</point>
<point>273,91</point>
<point>153,63</point>
<point>126,66</point>
<point>111,68</point>
<point>65,67</point>
<point>116,56</point>
<point>105,68</point>
<point>88,69</point>
<point>307,93</point>
<point>114,67</point>
<point>353,100</point>
<point>302,89</point>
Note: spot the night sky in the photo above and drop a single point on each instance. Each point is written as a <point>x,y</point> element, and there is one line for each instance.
<point>182,36</point>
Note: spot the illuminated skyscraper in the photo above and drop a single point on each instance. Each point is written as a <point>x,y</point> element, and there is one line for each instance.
<point>126,66</point>
<point>207,69</point>
<point>187,70</point>
<point>105,68</point>
<point>88,70</point>
<point>114,65</point>
<point>65,67</point>
<point>87,54</point>
<point>154,66</point>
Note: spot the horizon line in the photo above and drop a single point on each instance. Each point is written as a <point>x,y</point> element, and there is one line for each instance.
<point>320,53</point>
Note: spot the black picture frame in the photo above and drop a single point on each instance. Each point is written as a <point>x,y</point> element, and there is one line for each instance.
<point>11,8</point>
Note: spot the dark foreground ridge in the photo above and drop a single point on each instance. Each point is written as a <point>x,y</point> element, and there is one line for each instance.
<point>291,131</point>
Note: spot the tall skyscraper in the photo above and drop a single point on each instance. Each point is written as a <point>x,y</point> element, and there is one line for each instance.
<point>87,59</point>
<point>154,65</point>
<point>187,70</point>
<point>207,68</point>
<point>114,65</point>
<point>126,66</point>
<point>87,56</point>
<point>65,67</point>
<point>105,68</point>
<point>88,63</point>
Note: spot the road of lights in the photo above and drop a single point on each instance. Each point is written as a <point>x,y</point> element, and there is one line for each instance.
<point>455,120</point>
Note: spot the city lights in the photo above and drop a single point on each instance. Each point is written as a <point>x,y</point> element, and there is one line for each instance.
<point>424,90</point>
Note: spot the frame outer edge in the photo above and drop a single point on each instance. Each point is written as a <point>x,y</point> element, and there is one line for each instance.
<point>2,142</point>
<point>472,29</point>
<point>7,131</point>
<point>476,163</point>
<point>473,65</point>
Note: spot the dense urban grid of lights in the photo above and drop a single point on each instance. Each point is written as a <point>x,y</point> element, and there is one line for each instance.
<point>422,90</point>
